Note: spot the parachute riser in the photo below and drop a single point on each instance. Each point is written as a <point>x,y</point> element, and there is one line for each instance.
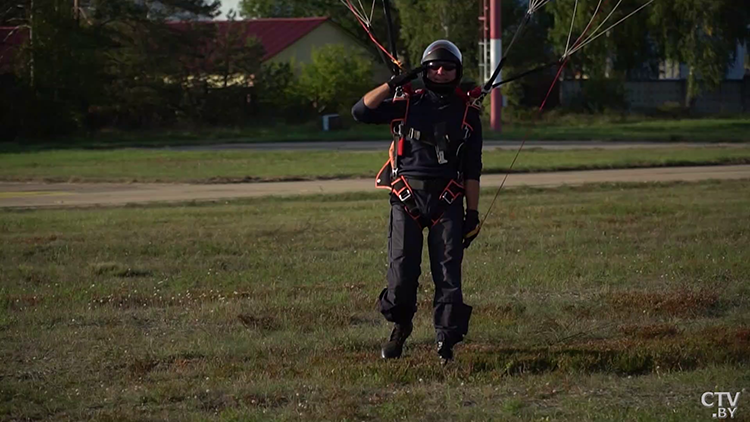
<point>391,36</point>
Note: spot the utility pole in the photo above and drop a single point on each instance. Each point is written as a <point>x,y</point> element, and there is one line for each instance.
<point>485,72</point>
<point>496,54</point>
<point>31,43</point>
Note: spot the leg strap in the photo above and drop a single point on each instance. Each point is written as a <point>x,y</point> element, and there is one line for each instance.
<point>401,188</point>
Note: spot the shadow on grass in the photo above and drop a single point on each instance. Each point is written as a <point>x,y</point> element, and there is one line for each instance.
<point>664,350</point>
<point>624,356</point>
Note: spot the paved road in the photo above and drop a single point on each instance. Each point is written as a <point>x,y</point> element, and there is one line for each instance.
<point>488,145</point>
<point>40,195</point>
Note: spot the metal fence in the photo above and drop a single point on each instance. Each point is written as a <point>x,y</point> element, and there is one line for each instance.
<point>733,96</point>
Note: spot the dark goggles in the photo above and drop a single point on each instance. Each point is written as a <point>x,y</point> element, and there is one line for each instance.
<point>448,66</point>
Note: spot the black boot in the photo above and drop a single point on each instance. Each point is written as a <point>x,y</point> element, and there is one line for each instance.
<point>445,351</point>
<point>395,345</point>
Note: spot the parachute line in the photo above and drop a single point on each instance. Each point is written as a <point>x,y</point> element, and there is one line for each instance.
<point>567,51</point>
<point>592,38</point>
<point>363,21</point>
<point>572,21</point>
<point>357,13</point>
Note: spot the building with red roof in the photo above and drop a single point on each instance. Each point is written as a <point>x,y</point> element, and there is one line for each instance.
<point>283,39</point>
<point>279,35</point>
<point>294,39</point>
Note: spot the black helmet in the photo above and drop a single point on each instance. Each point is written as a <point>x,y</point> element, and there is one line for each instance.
<point>442,51</point>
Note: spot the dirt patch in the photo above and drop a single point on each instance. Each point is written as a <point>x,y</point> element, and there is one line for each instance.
<point>174,363</point>
<point>263,323</point>
<point>650,331</point>
<point>141,367</point>
<point>39,240</point>
<point>119,270</point>
<point>502,312</point>
<point>20,302</point>
<point>216,401</point>
<point>680,303</point>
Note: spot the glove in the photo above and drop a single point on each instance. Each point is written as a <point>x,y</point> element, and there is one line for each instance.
<point>404,78</point>
<point>471,227</point>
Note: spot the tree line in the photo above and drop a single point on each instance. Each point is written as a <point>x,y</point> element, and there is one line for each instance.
<point>702,34</point>
<point>84,65</point>
<point>131,65</point>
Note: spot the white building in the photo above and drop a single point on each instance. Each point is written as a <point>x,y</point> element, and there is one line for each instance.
<point>736,71</point>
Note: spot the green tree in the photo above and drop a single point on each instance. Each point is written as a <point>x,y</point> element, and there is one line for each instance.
<point>285,8</point>
<point>150,58</point>
<point>335,79</point>
<point>61,68</point>
<point>217,76</point>
<point>273,86</point>
<point>426,21</point>
<point>703,34</point>
<point>529,51</point>
<point>234,56</point>
<point>108,54</point>
<point>620,52</point>
<point>700,33</point>
<point>12,13</point>
<point>218,55</point>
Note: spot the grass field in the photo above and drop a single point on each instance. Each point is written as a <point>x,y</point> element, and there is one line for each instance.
<point>603,302</point>
<point>552,127</point>
<point>133,165</point>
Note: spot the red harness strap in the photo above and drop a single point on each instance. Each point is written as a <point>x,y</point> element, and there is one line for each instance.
<point>388,177</point>
<point>387,173</point>
<point>401,188</point>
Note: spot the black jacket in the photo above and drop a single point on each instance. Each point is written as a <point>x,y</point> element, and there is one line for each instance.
<point>432,115</point>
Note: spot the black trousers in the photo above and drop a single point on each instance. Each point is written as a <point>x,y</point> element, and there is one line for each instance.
<point>398,302</point>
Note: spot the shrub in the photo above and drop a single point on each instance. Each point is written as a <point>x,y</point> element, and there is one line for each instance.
<point>335,79</point>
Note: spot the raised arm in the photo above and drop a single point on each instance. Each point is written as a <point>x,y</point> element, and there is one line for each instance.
<point>375,97</point>
<point>368,109</point>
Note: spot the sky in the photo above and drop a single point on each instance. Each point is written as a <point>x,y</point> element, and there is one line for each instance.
<point>226,5</point>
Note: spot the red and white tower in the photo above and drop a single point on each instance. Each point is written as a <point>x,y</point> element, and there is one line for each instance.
<point>496,54</point>
<point>490,54</point>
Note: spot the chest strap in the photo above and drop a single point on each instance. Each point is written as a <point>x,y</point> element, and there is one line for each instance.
<point>401,188</point>
<point>400,133</point>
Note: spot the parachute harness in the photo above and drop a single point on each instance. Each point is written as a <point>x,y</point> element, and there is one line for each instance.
<point>478,94</point>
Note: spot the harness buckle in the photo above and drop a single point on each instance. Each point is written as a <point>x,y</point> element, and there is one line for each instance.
<point>447,198</point>
<point>404,195</point>
<point>413,134</point>
<point>397,130</point>
<point>452,191</point>
<point>399,92</point>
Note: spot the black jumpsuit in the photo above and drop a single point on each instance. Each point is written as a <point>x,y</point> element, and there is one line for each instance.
<point>433,116</point>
